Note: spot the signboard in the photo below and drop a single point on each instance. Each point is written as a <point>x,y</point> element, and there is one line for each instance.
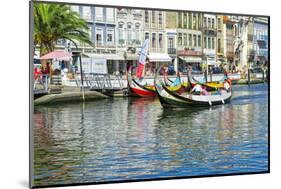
<point>86,65</point>
<point>94,65</point>
<point>98,66</point>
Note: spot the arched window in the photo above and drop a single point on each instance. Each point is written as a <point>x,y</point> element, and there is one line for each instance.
<point>137,34</point>
<point>120,32</point>
<point>129,32</point>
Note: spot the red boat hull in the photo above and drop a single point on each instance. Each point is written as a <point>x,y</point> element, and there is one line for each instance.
<point>142,92</point>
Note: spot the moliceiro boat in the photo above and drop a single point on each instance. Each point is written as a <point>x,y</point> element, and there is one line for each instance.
<point>136,87</point>
<point>188,99</point>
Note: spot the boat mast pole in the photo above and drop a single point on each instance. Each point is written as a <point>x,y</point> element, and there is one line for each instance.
<point>202,49</point>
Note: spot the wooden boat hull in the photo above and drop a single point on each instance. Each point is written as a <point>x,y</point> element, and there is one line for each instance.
<point>170,99</point>
<point>138,90</point>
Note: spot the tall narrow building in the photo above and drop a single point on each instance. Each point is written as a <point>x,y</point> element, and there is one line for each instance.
<point>209,39</point>
<point>171,40</point>
<point>154,31</point>
<point>129,36</point>
<point>189,40</point>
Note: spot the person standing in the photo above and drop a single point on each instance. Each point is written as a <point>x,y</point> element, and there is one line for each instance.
<point>225,71</point>
<point>197,89</point>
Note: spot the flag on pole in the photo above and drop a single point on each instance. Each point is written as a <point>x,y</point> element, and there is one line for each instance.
<point>142,58</point>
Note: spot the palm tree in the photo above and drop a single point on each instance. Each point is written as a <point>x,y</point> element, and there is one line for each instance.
<point>55,21</point>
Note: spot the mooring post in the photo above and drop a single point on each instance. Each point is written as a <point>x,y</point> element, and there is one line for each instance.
<point>263,78</point>
<point>249,76</point>
<point>81,74</point>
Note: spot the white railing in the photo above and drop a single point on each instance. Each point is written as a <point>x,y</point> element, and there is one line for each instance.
<point>41,82</point>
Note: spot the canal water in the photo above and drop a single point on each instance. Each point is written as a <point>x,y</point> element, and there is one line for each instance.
<point>135,138</point>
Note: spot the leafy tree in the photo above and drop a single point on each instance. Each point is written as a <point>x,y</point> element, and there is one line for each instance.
<point>55,21</point>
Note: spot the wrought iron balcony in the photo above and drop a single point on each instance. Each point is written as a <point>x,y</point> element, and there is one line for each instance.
<point>209,31</point>
<point>172,51</point>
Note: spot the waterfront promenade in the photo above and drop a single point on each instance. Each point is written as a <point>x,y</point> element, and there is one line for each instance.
<point>73,93</point>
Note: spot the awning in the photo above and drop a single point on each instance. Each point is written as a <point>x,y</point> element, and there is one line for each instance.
<point>191,59</point>
<point>104,56</point>
<point>212,62</point>
<point>61,55</point>
<point>159,57</point>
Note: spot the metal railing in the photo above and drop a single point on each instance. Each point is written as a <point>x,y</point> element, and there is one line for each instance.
<point>101,81</point>
<point>41,83</point>
<point>172,51</point>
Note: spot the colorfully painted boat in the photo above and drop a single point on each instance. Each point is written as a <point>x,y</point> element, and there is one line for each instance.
<point>211,85</point>
<point>138,89</point>
<point>172,99</point>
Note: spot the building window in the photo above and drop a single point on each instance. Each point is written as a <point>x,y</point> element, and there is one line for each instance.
<point>185,39</point>
<point>194,21</point>
<point>213,23</point>
<point>99,36</point>
<point>195,40</point>
<point>171,43</point>
<point>160,18</point>
<point>146,17</point>
<point>185,20</point>
<point>213,43</point>
<point>199,21</point>
<point>110,14</point>
<point>190,40</point>
<point>209,23</point>
<point>219,45</point>
<point>205,42</point>
<point>129,32</point>
<point>99,13</point>
<point>153,40</point>
<point>180,39</point>
<point>209,43</point>
<point>146,35</point>
<point>160,40</point>
<point>219,23</point>
<point>190,21</point>
<point>179,19</point>
<point>153,17</point>
<point>199,40</point>
<point>110,37</point>
<point>205,22</point>
<point>137,31</point>
<point>86,12</point>
<point>120,31</point>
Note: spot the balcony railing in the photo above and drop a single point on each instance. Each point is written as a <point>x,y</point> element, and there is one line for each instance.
<point>261,38</point>
<point>172,51</point>
<point>209,31</point>
<point>189,52</point>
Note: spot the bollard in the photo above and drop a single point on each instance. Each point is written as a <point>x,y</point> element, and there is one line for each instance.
<point>263,78</point>
<point>249,77</point>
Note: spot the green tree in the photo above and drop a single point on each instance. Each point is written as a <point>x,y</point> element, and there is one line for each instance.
<point>55,21</point>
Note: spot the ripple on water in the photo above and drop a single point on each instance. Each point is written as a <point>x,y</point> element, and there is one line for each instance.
<point>135,138</point>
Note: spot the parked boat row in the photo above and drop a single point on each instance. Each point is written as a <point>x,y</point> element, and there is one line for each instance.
<point>179,94</point>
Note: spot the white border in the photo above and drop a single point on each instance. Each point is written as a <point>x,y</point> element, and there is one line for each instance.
<point>15,86</point>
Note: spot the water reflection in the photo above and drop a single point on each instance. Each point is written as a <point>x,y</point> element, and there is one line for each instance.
<point>135,138</point>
